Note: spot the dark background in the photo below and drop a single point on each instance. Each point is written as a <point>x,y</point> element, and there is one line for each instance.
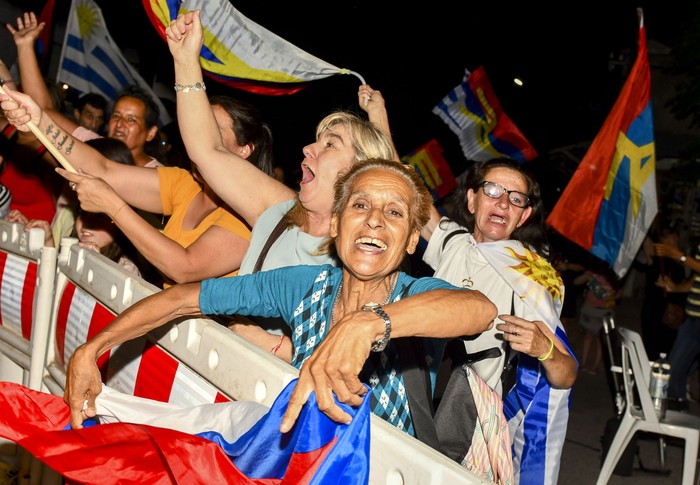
<point>567,57</point>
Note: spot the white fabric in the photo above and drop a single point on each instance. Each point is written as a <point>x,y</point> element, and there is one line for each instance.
<point>459,261</point>
<point>231,419</point>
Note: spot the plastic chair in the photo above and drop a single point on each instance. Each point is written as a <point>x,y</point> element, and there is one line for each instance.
<point>639,413</point>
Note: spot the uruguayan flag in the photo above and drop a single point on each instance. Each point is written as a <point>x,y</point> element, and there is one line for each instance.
<point>90,60</point>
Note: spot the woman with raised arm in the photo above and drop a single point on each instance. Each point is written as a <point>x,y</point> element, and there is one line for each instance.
<point>202,239</point>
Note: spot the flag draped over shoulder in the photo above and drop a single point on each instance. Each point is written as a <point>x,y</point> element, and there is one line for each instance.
<point>431,165</point>
<point>91,61</point>
<point>194,447</point>
<point>474,114</point>
<point>537,414</point>
<point>610,202</point>
<point>242,54</point>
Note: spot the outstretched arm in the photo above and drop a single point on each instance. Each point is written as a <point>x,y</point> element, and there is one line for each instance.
<point>246,189</point>
<point>83,381</point>
<point>336,364</point>
<point>216,252</point>
<point>31,80</point>
<point>138,186</point>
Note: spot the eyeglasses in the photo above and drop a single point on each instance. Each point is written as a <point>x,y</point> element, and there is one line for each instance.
<point>495,191</point>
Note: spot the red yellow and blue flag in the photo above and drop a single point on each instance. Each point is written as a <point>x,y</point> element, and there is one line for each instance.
<point>474,114</point>
<point>316,451</point>
<point>431,165</point>
<point>241,53</point>
<point>610,202</point>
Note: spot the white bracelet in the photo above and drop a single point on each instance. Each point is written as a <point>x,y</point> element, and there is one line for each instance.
<point>186,88</point>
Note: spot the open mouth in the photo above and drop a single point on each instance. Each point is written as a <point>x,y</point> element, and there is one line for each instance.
<point>307,175</point>
<point>371,243</point>
<point>496,219</point>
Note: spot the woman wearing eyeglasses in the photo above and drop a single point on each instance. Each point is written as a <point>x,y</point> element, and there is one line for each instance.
<point>496,242</point>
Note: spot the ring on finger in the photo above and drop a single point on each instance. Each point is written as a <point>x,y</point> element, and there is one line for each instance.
<point>72,186</point>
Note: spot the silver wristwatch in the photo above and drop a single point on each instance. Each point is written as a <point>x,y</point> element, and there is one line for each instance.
<point>380,345</point>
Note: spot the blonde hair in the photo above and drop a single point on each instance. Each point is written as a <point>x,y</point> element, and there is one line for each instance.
<point>368,141</point>
<point>419,206</point>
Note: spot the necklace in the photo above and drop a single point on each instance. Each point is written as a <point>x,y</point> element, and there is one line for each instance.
<point>394,278</point>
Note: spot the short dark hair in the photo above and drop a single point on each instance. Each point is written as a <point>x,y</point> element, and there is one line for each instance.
<point>152,112</point>
<point>115,150</point>
<point>93,99</point>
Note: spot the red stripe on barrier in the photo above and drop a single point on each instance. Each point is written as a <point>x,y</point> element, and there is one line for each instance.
<point>220,398</point>
<point>101,317</point>
<point>156,374</point>
<point>62,321</point>
<point>27,307</point>
<point>3,260</point>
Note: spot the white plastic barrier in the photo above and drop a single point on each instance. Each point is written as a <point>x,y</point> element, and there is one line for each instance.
<point>27,272</point>
<point>198,361</point>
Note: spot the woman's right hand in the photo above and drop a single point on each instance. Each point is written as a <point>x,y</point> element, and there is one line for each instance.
<point>16,216</point>
<point>46,227</point>
<point>94,194</point>
<point>83,385</point>
<point>184,35</point>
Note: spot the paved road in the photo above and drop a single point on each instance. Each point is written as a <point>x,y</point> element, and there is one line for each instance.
<point>592,405</point>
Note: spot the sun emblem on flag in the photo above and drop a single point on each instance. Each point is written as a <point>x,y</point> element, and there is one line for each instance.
<point>87,19</point>
<point>539,270</point>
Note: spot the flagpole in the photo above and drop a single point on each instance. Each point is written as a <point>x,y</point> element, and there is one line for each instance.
<point>45,141</point>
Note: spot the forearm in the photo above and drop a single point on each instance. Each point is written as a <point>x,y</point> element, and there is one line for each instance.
<point>144,316</point>
<point>30,78</point>
<point>380,117</point>
<point>79,154</point>
<point>427,231</point>
<point>441,313</point>
<point>560,366</point>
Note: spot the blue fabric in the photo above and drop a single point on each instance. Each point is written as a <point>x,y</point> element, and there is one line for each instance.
<point>310,292</point>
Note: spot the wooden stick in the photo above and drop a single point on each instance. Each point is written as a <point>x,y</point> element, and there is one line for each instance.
<point>45,141</point>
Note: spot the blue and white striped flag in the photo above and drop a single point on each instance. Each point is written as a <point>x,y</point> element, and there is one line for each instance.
<point>90,60</point>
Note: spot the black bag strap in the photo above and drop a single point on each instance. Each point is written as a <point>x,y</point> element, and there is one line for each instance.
<point>451,235</point>
<point>416,379</point>
<point>274,235</point>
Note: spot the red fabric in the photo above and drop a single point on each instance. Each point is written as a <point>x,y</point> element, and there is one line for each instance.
<point>62,321</point>
<point>46,16</point>
<point>27,305</point>
<point>3,260</point>
<point>29,193</point>
<point>433,168</point>
<point>575,214</point>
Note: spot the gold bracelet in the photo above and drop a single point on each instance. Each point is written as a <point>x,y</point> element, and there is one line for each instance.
<point>115,214</point>
<point>549,353</point>
<point>187,88</point>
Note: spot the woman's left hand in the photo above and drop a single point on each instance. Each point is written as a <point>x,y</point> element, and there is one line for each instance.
<point>334,367</point>
<point>525,336</point>
<point>94,194</point>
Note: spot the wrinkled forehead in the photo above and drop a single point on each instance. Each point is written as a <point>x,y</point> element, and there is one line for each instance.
<point>508,178</point>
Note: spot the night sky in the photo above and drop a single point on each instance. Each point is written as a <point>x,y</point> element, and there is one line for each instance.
<point>416,55</point>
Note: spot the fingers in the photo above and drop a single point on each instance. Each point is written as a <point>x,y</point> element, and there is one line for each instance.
<point>296,401</point>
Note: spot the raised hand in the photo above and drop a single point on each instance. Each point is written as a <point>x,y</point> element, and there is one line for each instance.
<point>185,36</point>
<point>27,31</point>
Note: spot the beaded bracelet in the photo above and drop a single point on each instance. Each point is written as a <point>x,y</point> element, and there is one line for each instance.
<point>186,88</point>
<point>549,353</point>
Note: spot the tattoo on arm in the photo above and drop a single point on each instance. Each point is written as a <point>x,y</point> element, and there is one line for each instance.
<point>70,146</point>
<point>49,130</point>
<point>55,136</point>
<point>62,142</point>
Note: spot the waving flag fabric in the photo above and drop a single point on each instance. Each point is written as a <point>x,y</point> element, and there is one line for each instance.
<point>91,61</point>
<point>610,202</point>
<point>537,413</point>
<point>431,165</point>
<point>43,43</point>
<point>242,54</point>
<point>316,451</point>
<point>474,114</point>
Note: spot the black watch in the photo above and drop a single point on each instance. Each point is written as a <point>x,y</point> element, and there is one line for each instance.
<point>380,345</point>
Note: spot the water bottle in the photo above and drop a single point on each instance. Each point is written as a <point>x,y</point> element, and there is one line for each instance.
<point>658,385</point>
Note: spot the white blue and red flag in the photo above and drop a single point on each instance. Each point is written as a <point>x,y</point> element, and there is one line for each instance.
<point>610,202</point>
<point>148,442</point>
<point>485,131</point>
